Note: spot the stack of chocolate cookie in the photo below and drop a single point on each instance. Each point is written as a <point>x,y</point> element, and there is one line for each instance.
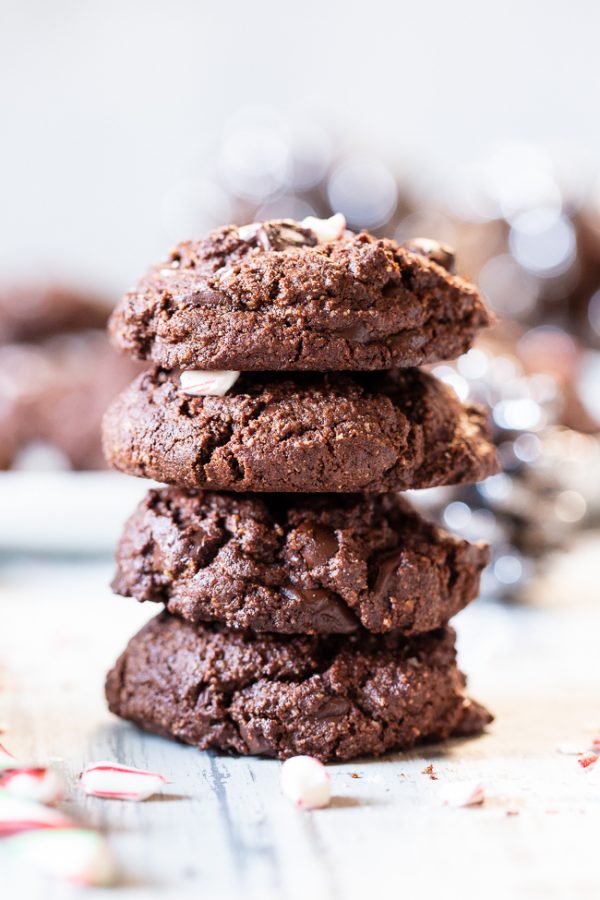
<point>306,603</point>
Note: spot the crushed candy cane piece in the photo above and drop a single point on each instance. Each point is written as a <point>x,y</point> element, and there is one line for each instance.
<point>18,815</point>
<point>276,234</point>
<point>77,855</point>
<point>568,749</point>
<point>37,783</point>
<point>330,229</point>
<point>595,743</point>
<point>464,793</point>
<point>50,841</point>
<point>246,232</point>
<point>31,782</point>
<point>117,782</point>
<point>306,782</point>
<point>587,759</point>
<point>198,383</point>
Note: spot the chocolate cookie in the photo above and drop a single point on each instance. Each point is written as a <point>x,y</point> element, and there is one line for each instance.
<point>293,563</point>
<point>54,393</point>
<point>281,296</point>
<point>37,311</point>
<point>316,433</point>
<point>331,697</point>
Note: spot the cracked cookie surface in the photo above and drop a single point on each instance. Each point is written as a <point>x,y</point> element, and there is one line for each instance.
<point>315,433</point>
<point>294,563</point>
<point>334,698</point>
<point>277,299</point>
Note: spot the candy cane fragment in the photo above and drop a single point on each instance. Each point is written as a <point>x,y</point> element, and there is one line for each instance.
<point>116,782</point>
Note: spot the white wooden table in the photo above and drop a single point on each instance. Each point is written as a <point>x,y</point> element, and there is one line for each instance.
<point>223,830</point>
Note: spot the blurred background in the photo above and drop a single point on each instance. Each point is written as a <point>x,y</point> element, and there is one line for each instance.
<point>127,126</point>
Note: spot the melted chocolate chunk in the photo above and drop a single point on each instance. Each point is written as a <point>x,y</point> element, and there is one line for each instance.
<point>326,613</point>
<point>321,544</point>
<point>386,568</point>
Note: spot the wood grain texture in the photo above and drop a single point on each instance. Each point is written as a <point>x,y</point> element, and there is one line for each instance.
<point>222,828</point>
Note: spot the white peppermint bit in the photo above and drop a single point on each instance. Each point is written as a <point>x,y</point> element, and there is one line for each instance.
<point>77,855</point>
<point>570,749</point>
<point>463,793</point>
<point>117,782</point>
<point>289,235</point>
<point>207,384</point>
<point>306,782</point>
<point>28,780</point>
<point>248,231</point>
<point>18,815</point>
<point>32,783</point>
<point>326,229</point>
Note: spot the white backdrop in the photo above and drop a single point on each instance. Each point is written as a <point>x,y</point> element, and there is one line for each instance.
<point>106,105</point>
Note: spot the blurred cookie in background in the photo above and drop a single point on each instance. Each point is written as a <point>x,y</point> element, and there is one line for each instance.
<point>546,434</point>
<point>32,312</point>
<point>57,375</point>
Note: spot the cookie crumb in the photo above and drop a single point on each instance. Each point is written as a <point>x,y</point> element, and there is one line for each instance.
<point>430,772</point>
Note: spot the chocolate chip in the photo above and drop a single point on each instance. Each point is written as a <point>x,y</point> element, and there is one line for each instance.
<point>320,544</point>
<point>386,569</point>
<point>326,612</point>
<point>256,742</point>
<point>357,333</point>
<point>333,708</point>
